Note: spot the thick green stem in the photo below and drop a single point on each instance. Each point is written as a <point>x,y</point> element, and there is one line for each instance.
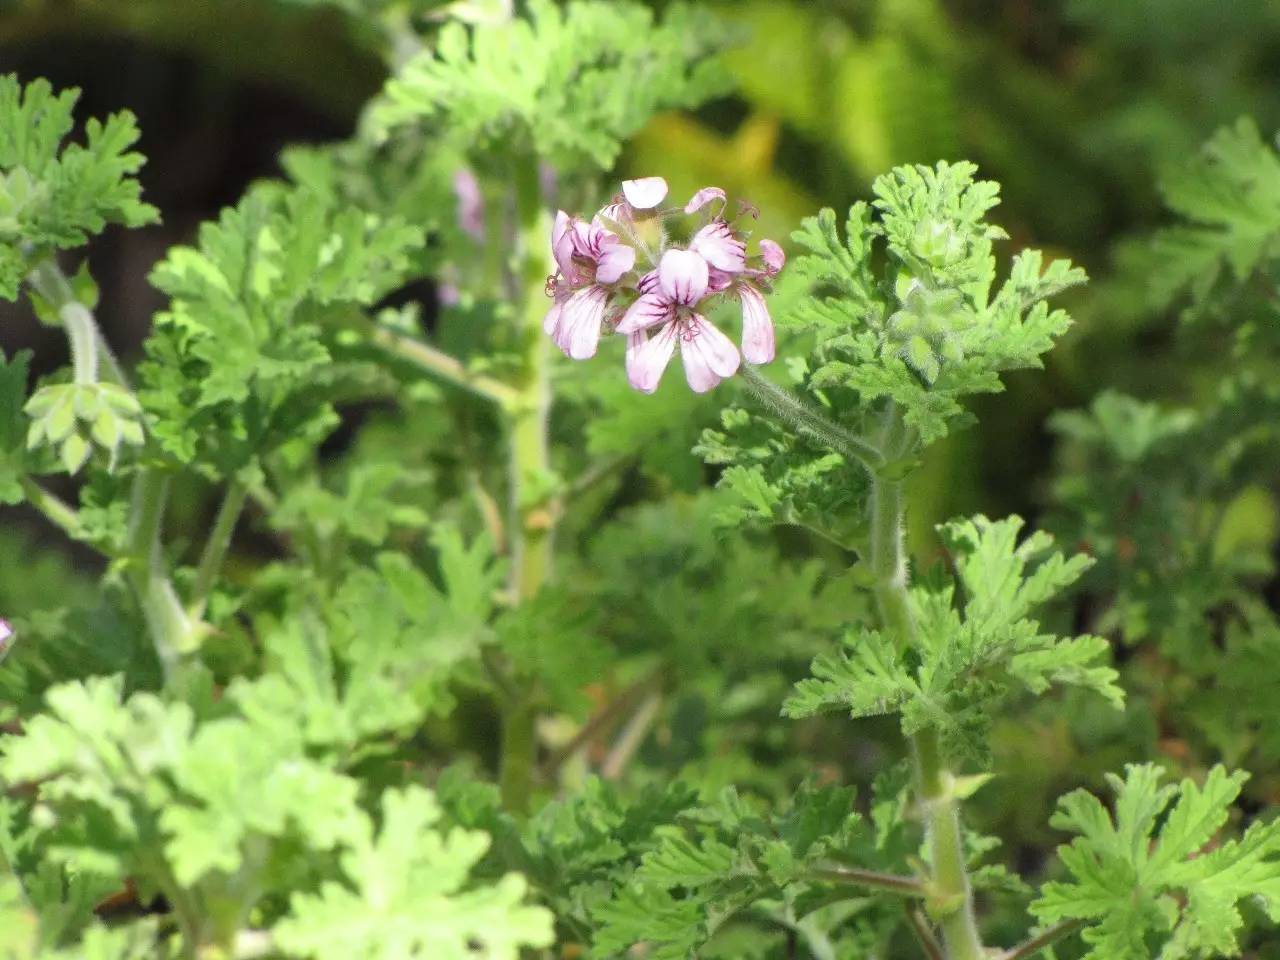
<point>951,895</point>
<point>529,466</point>
<point>171,629</point>
<point>215,549</point>
<point>82,336</point>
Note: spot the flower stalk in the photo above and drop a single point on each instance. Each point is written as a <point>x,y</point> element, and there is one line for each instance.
<point>531,522</point>
<point>951,902</point>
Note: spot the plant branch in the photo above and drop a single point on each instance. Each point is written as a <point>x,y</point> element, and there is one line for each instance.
<point>600,722</point>
<point>873,879</point>
<point>1045,938</point>
<point>924,934</point>
<point>440,364</point>
<point>794,411</point>
<point>215,548</point>
<point>632,737</point>
<point>60,513</point>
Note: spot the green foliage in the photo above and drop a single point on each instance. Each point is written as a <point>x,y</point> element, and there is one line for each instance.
<point>1229,191</point>
<point>1155,869</point>
<point>53,196</point>
<point>932,332</point>
<point>13,392</point>
<point>729,863</point>
<point>567,84</point>
<point>971,652</point>
<point>409,893</point>
<point>236,366</point>
<point>463,563</point>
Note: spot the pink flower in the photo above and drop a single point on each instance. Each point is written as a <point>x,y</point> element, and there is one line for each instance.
<point>6,635</point>
<point>670,303</point>
<point>591,261</point>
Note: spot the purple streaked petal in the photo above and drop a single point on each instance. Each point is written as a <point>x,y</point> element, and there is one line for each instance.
<point>647,359</point>
<point>644,193</point>
<point>757,326</point>
<point>709,356</point>
<point>6,631</point>
<point>618,213</point>
<point>683,276</point>
<point>649,311</point>
<point>579,330</point>
<point>648,283</point>
<point>616,259</point>
<point>721,247</point>
<point>774,257</point>
<point>703,197</point>
<point>718,281</point>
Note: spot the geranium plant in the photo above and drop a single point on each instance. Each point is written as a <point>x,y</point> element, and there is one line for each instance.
<point>504,676</point>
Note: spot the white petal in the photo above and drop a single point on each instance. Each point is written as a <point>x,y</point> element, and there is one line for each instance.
<point>552,320</point>
<point>615,259</point>
<point>703,197</point>
<point>647,360</point>
<point>580,321</point>
<point>709,356</point>
<point>562,242</point>
<point>757,326</point>
<point>645,193</point>
<point>683,276</point>
<point>650,310</point>
<point>721,247</point>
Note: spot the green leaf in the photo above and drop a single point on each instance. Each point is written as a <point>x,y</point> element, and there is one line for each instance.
<point>1148,870</point>
<point>235,366</point>
<point>568,83</point>
<point>1229,191</point>
<point>409,892</point>
<point>976,644</point>
<point>13,426</point>
<point>54,195</point>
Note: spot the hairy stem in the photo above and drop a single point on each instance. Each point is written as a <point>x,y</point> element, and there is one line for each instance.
<point>1047,938</point>
<point>952,896</point>
<point>924,934</point>
<point>794,411</point>
<point>529,465</point>
<point>873,879</point>
<point>215,548</point>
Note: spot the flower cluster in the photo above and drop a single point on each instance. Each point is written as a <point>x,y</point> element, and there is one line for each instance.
<point>622,271</point>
